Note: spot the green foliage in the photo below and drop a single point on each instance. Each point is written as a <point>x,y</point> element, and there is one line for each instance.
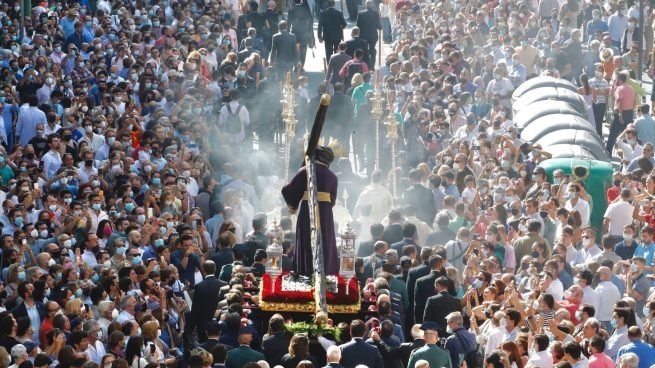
<point>314,330</point>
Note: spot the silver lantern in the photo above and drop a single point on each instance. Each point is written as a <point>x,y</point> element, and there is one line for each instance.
<point>347,259</point>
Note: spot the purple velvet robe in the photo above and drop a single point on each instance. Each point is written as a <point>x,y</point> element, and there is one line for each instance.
<point>326,181</point>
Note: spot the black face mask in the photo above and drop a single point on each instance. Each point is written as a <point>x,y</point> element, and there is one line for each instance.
<point>570,222</point>
<point>514,211</point>
<point>543,214</point>
<point>29,155</point>
<point>617,183</point>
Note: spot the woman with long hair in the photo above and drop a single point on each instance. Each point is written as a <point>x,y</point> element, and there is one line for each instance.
<point>136,353</point>
<point>589,95</point>
<point>513,353</point>
<point>298,351</point>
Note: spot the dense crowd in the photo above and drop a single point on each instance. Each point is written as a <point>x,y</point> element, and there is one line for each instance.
<point>140,167</point>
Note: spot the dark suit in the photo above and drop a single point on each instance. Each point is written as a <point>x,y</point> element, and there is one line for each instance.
<point>357,43</point>
<point>245,53</point>
<point>413,275</point>
<point>626,43</point>
<point>339,118</point>
<point>21,311</point>
<point>330,30</point>
<point>366,248</point>
<point>398,246</point>
<point>301,24</point>
<point>205,301</point>
<point>368,21</point>
<point>221,258</point>
<point>439,306</point>
<point>401,352</point>
<point>284,53</point>
<point>337,61</point>
<point>423,200</point>
<point>357,351</point>
<point>393,234</point>
<point>275,346</point>
<point>210,344</point>
<point>424,290</point>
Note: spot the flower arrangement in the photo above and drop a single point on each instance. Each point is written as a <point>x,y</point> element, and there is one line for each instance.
<point>292,289</point>
<point>314,330</point>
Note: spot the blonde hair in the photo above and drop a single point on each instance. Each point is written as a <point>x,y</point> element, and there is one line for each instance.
<point>357,80</point>
<point>149,330</point>
<point>73,307</point>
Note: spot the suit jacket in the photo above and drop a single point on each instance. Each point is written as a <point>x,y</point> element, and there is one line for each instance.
<point>221,258</point>
<point>275,346</point>
<point>210,344</point>
<point>205,301</point>
<point>439,306</point>
<point>401,352</point>
<point>423,200</point>
<point>425,289</point>
<point>393,234</point>
<point>21,311</point>
<point>354,44</point>
<point>366,248</point>
<point>330,25</point>
<point>244,354</point>
<point>283,49</point>
<point>413,275</point>
<point>357,351</point>
<point>301,24</point>
<point>368,22</point>
<point>626,43</point>
<point>337,61</point>
<point>398,246</point>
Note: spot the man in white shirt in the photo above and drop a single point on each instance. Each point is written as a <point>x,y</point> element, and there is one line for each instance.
<point>589,248</point>
<point>590,296</point>
<point>500,87</point>
<point>96,350</point>
<point>627,142</point>
<point>52,159</point>
<point>617,215</point>
<point>95,141</point>
<point>541,356</point>
<point>105,310</point>
<point>231,109</point>
<point>128,303</point>
<point>611,295</point>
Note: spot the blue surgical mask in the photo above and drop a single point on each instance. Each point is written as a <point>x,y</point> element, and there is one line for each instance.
<point>21,276</point>
<point>614,323</point>
<point>477,284</point>
<point>120,251</point>
<point>95,278</point>
<point>129,207</point>
<point>78,293</point>
<point>97,206</point>
<point>18,221</point>
<point>159,242</point>
<point>156,181</point>
<point>136,260</point>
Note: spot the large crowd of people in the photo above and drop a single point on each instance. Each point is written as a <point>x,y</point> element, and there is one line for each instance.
<point>141,168</point>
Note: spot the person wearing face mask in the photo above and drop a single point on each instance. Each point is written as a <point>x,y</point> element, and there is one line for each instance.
<point>595,24</point>
<point>617,24</point>
<point>631,35</point>
<point>501,87</point>
<point>574,202</point>
<point>95,350</point>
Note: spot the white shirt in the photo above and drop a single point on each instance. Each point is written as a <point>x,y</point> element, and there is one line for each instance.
<point>244,117</point>
<point>630,152</point>
<point>124,317</point>
<point>620,214</point>
<point>52,163</point>
<point>591,297</point>
<point>495,338</point>
<point>556,289</point>
<point>89,258</point>
<point>95,353</point>
<point>581,206</point>
<point>611,295</point>
<point>95,142</point>
<point>541,359</point>
<point>422,229</point>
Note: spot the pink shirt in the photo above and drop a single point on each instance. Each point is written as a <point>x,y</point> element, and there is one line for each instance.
<point>600,360</point>
<point>625,96</point>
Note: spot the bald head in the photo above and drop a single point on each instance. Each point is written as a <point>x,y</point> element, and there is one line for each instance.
<point>604,273</point>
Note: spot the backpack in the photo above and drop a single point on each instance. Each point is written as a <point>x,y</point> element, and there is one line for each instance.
<point>353,68</point>
<point>473,358</point>
<point>233,122</point>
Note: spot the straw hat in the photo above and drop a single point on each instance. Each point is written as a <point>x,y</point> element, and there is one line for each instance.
<point>607,55</point>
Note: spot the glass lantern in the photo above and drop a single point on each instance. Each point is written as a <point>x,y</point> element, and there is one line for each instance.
<point>347,264</point>
<point>274,253</point>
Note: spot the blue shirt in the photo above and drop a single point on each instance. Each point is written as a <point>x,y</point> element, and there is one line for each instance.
<point>646,251</point>
<point>593,26</point>
<point>186,274</point>
<point>645,128</point>
<point>645,352</point>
